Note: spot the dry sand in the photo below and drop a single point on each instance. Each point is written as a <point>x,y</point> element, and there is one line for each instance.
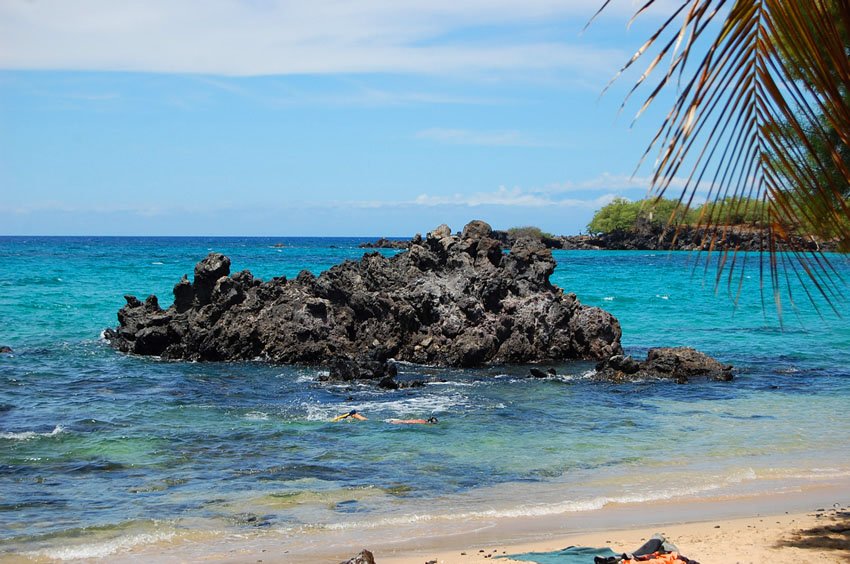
<point>816,537</point>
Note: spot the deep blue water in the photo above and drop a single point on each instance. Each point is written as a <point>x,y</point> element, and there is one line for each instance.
<point>95,444</point>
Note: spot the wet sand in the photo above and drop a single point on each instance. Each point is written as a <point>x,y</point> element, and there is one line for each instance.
<point>803,525</point>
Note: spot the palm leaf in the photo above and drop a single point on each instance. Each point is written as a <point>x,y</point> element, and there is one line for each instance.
<point>763,86</point>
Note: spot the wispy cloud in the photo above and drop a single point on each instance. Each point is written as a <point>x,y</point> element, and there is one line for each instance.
<point>274,92</point>
<point>260,37</point>
<point>585,195</point>
<point>515,197</point>
<point>502,197</point>
<point>607,182</point>
<point>470,137</point>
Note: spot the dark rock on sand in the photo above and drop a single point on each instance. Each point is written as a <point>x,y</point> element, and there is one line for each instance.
<point>449,300</point>
<point>681,364</point>
<point>364,557</point>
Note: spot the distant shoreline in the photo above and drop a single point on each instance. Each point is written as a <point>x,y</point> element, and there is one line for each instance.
<point>644,238</point>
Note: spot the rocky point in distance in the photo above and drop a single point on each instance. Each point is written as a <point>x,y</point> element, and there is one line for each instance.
<point>645,236</point>
<point>449,300</point>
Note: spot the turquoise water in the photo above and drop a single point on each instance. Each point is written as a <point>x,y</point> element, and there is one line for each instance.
<point>101,453</point>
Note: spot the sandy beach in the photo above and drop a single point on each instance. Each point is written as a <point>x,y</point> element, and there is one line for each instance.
<point>749,529</point>
<point>818,536</point>
<point>754,529</point>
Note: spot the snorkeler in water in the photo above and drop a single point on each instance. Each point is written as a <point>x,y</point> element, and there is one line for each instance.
<point>429,421</point>
<point>351,414</point>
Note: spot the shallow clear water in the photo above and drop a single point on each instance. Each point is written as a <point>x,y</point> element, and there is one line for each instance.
<point>100,452</point>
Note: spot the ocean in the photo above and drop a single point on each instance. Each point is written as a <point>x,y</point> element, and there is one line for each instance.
<point>107,455</point>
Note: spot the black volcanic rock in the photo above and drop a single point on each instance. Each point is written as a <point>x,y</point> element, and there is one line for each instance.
<point>680,364</point>
<point>384,243</point>
<point>648,236</point>
<point>450,300</point>
<point>363,557</point>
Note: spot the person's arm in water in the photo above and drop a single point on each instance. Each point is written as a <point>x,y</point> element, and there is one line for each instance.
<point>353,414</point>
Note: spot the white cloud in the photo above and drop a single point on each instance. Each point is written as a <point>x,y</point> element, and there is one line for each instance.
<point>607,182</point>
<point>254,37</point>
<point>350,92</point>
<point>514,197</point>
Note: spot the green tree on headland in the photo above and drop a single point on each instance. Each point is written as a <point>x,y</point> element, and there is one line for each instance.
<point>761,113</point>
<point>619,214</point>
<point>622,214</point>
<point>529,232</point>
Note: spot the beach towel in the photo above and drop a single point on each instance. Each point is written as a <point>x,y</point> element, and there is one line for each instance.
<point>571,555</point>
<point>657,550</point>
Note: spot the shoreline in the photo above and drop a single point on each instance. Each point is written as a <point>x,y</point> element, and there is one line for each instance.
<point>781,538</point>
<point>762,528</point>
<point>695,526</point>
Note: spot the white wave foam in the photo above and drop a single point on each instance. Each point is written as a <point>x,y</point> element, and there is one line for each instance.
<point>100,549</point>
<point>307,378</point>
<point>394,408</point>
<point>567,378</point>
<point>454,384</point>
<point>608,298</point>
<point>256,416</point>
<point>27,435</point>
<point>322,412</point>
<point>431,403</point>
<point>157,262</point>
<point>548,509</point>
<point>814,474</point>
<point>662,296</point>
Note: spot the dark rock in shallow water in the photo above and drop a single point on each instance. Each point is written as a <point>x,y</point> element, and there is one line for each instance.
<point>347,370</point>
<point>681,364</point>
<point>450,300</point>
<point>538,373</point>
<point>384,243</point>
<point>5,350</point>
<point>364,557</point>
<point>388,383</point>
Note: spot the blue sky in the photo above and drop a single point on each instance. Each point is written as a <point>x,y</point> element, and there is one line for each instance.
<point>328,117</point>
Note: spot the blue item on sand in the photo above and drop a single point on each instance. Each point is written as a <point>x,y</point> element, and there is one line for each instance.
<point>571,555</point>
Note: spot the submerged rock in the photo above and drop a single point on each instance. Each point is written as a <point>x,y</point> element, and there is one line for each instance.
<point>450,300</point>
<point>681,364</point>
<point>5,350</point>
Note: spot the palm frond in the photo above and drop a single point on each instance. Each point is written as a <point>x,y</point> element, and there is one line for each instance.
<point>761,114</point>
